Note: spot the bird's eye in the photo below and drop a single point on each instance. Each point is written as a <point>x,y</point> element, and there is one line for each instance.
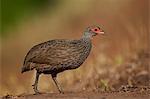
<point>95,29</point>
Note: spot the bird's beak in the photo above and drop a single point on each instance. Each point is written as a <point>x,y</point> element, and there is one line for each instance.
<point>101,32</point>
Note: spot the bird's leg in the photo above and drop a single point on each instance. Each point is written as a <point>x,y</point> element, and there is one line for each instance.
<point>35,85</point>
<point>57,84</point>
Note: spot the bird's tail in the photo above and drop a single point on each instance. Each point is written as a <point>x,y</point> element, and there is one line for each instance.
<point>27,67</point>
<point>24,69</point>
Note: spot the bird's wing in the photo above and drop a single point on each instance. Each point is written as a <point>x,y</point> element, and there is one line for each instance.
<point>55,52</point>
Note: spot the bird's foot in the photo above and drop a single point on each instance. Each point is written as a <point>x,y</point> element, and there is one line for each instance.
<point>61,91</point>
<point>36,90</point>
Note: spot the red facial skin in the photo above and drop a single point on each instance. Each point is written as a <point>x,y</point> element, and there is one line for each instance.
<point>97,30</point>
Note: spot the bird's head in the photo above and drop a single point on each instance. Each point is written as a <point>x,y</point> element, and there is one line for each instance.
<point>93,31</point>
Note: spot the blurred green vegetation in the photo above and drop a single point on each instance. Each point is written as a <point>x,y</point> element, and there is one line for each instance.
<point>12,11</point>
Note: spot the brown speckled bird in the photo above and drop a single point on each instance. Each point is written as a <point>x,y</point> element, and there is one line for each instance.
<point>55,56</point>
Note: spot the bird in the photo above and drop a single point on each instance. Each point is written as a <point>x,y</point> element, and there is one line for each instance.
<point>55,56</point>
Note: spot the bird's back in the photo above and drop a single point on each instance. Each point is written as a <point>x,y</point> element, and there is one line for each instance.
<point>57,55</point>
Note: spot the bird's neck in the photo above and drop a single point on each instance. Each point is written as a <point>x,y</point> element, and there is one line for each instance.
<point>86,38</point>
<point>86,35</point>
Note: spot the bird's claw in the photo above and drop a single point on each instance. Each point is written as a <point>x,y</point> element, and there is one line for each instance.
<point>62,92</point>
<point>35,89</point>
<point>36,93</point>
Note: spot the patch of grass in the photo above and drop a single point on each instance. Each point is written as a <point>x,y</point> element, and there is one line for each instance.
<point>104,85</point>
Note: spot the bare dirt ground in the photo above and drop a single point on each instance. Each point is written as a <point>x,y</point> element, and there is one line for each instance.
<point>89,95</point>
<point>124,93</point>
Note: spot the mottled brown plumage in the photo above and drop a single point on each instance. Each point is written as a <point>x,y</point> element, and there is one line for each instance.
<point>55,56</point>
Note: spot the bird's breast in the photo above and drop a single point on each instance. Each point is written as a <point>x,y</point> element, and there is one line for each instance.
<point>78,59</point>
